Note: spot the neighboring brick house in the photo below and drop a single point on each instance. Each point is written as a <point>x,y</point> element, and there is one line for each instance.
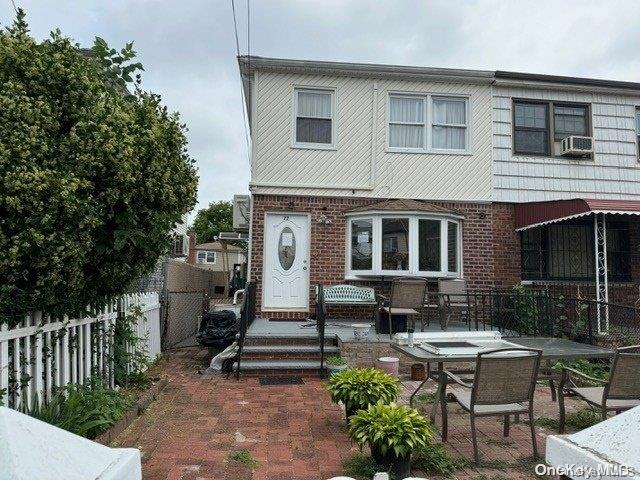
<point>361,173</point>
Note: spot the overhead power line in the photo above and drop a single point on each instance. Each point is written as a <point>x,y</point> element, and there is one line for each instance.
<point>245,114</point>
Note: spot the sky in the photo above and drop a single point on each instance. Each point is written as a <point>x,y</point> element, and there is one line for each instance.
<point>189,52</point>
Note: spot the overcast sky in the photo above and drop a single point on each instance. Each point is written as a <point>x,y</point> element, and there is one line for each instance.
<point>188,49</point>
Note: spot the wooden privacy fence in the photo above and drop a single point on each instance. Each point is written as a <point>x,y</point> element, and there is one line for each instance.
<point>42,353</point>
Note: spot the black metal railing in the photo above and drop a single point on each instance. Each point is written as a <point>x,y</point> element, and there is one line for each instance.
<point>538,313</point>
<point>247,315</point>
<point>320,325</point>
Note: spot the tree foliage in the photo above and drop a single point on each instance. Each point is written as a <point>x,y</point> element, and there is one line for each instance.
<point>210,221</point>
<point>94,173</point>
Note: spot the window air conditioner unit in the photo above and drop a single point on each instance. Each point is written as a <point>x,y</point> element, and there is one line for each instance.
<point>180,245</point>
<point>575,146</point>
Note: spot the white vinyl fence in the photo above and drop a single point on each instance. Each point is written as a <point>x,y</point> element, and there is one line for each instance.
<point>41,354</point>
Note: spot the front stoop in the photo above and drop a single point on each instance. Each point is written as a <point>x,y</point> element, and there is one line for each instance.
<point>283,355</point>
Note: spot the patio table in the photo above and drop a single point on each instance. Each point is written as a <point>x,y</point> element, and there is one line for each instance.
<point>552,349</point>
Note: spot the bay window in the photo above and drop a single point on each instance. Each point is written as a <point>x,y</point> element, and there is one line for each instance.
<point>395,244</point>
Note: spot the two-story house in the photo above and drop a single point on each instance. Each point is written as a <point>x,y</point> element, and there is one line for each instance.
<point>361,173</point>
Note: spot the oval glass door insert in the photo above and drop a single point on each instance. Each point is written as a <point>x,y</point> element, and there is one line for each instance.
<point>286,248</point>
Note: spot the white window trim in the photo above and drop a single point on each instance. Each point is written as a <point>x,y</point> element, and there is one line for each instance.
<point>206,255</point>
<point>294,117</point>
<point>428,122</point>
<point>413,271</point>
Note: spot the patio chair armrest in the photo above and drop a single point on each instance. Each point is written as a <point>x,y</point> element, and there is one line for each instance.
<point>457,379</point>
<point>381,298</point>
<point>568,373</point>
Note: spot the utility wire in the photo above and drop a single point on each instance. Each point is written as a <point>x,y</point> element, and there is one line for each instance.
<point>245,114</point>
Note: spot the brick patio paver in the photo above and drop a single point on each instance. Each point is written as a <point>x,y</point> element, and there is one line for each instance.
<point>293,431</point>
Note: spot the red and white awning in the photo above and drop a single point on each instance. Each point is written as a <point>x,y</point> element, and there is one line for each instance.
<point>535,214</point>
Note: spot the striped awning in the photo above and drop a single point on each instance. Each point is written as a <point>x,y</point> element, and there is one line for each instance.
<point>535,214</point>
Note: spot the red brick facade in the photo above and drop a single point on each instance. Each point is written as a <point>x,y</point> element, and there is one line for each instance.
<point>491,247</point>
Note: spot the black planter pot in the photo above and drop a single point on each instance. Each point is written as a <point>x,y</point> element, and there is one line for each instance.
<point>351,410</point>
<point>400,466</point>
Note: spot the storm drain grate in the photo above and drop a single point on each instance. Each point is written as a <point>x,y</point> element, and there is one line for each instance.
<point>281,380</point>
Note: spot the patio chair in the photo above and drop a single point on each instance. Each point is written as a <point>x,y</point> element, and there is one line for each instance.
<point>620,392</point>
<point>453,294</point>
<point>407,298</point>
<point>503,385</point>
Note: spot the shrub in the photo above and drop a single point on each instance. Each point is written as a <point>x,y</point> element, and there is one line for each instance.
<point>390,427</point>
<point>360,387</point>
<point>244,457</point>
<point>94,174</point>
<point>86,410</point>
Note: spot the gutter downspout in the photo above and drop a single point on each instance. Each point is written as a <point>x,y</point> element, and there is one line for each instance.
<point>374,135</point>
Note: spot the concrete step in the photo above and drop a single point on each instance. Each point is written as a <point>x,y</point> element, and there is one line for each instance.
<point>287,352</point>
<point>286,340</point>
<point>279,367</point>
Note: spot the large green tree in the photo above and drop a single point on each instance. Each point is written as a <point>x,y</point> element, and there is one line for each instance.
<point>94,173</point>
<point>210,221</point>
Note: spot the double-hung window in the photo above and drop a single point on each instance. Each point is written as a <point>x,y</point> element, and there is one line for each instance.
<point>404,244</point>
<point>427,123</point>
<point>539,125</point>
<point>638,129</point>
<point>206,257</point>
<point>449,125</point>
<point>407,122</point>
<point>314,118</point>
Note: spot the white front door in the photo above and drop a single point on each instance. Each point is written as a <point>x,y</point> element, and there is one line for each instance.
<point>286,261</point>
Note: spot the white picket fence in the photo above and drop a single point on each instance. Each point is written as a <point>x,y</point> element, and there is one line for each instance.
<point>41,353</point>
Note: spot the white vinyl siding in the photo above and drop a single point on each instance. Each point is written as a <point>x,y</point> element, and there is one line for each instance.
<point>361,160</point>
<point>403,244</point>
<point>611,173</point>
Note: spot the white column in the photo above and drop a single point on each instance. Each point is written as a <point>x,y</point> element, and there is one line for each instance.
<point>602,281</point>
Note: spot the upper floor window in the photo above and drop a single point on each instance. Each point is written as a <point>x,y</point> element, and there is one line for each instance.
<point>206,256</point>
<point>428,123</point>
<point>314,117</point>
<point>538,124</point>
<point>638,129</point>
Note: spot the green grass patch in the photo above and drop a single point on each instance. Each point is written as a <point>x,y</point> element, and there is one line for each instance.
<point>361,467</point>
<point>244,456</point>
<point>429,397</point>
<point>500,442</point>
<point>578,420</point>
<point>435,459</point>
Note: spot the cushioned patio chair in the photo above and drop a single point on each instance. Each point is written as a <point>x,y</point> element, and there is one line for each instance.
<point>620,392</point>
<point>503,385</point>
<point>407,298</point>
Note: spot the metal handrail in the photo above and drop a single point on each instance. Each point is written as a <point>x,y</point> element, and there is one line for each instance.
<point>320,324</point>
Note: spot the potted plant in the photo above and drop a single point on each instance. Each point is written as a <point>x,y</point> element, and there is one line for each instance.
<point>392,432</point>
<point>357,388</point>
<point>335,364</point>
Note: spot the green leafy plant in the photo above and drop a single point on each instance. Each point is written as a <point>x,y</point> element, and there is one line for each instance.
<point>390,428</point>
<point>130,356</point>
<point>434,458</point>
<point>592,368</point>
<point>86,410</point>
<point>94,174</point>
<point>358,388</point>
<point>362,467</point>
<point>244,457</point>
<point>525,305</point>
<point>335,361</point>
